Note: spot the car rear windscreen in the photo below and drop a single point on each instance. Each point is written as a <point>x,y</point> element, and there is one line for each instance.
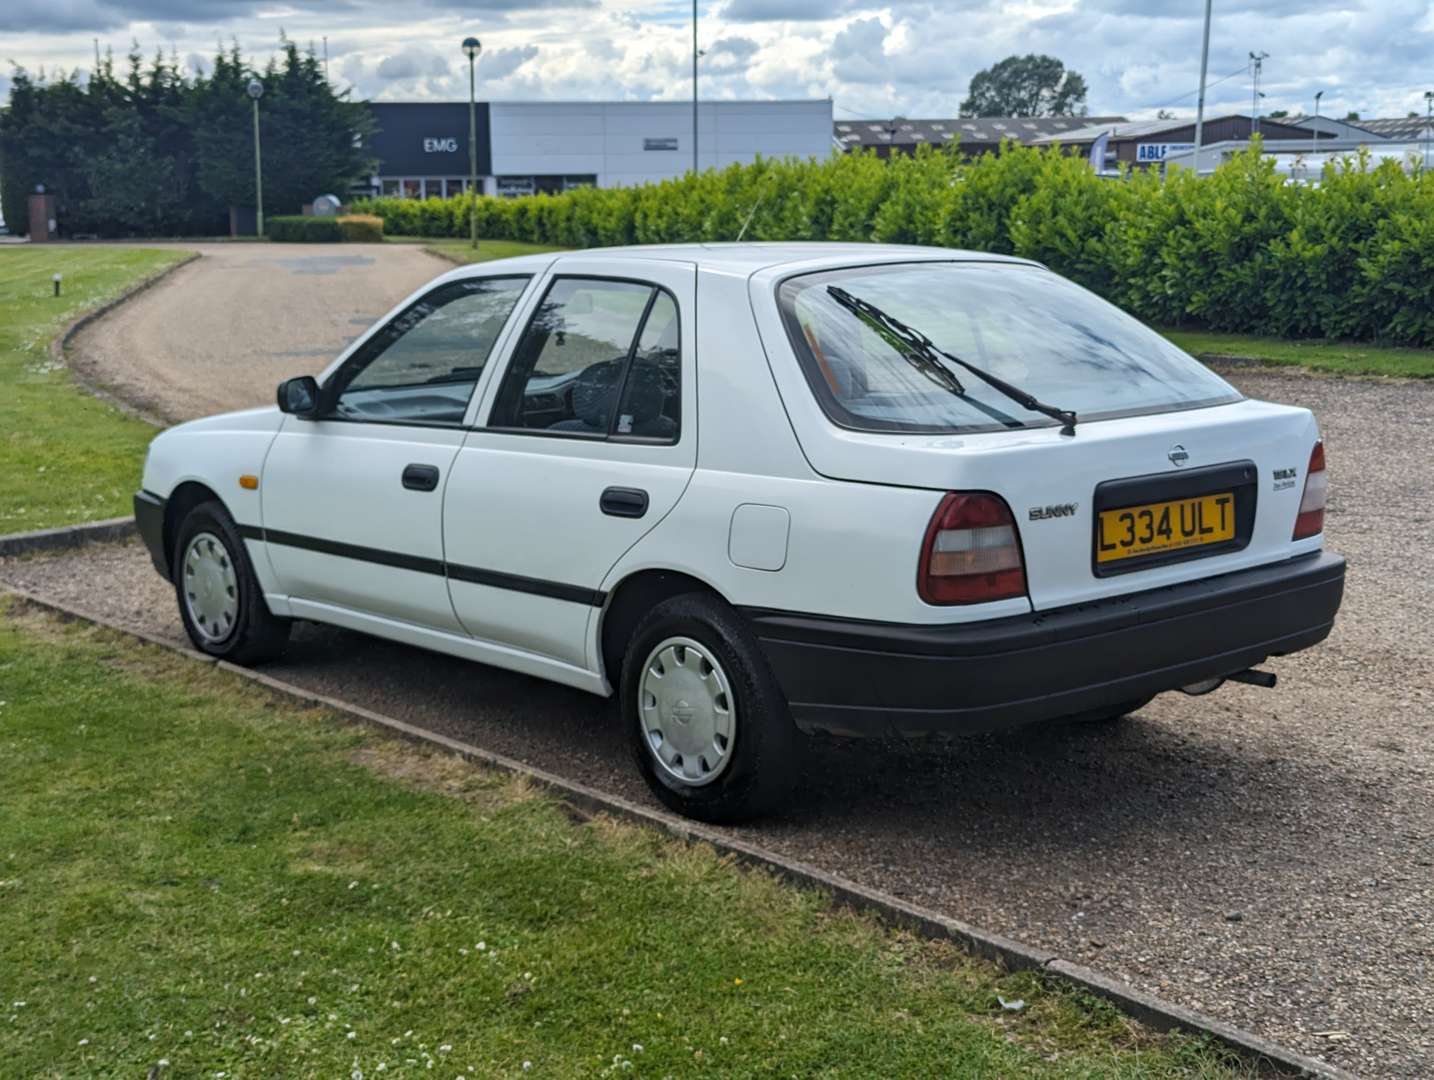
<point>1022,324</point>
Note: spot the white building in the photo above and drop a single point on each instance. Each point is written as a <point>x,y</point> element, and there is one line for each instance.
<point>529,146</point>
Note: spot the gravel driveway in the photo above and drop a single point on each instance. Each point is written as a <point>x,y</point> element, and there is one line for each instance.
<point>1264,856</point>
<point>202,341</point>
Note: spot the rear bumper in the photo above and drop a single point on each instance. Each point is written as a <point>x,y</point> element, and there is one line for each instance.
<point>149,520</point>
<point>867,678</point>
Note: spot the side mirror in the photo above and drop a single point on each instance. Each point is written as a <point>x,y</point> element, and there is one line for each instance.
<point>299,396</point>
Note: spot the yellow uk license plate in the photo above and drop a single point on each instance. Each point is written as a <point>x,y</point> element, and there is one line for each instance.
<point>1157,528</point>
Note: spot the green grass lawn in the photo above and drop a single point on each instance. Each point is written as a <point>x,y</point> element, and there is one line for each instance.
<point>192,873</point>
<point>460,252</point>
<point>1332,357</point>
<point>65,456</point>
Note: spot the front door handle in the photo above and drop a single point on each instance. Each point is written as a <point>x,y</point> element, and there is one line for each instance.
<point>420,477</point>
<point>623,502</point>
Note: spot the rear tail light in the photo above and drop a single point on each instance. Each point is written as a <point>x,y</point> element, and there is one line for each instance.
<point>1311,519</point>
<point>972,553</point>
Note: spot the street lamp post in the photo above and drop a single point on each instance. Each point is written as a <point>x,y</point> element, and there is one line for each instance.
<point>1428,122</point>
<point>471,48</point>
<point>256,91</point>
<point>695,54</point>
<point>1200,103</point>
<point>1257,66</point>
<point>1314,136</point>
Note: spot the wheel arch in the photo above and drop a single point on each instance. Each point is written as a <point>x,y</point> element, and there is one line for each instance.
<point>182,500</point>
<point>632,598</point>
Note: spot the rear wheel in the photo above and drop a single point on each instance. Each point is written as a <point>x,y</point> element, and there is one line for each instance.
<point>220,600</point>
<point>706,721</point>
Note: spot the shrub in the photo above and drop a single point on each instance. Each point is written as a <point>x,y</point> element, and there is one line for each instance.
<point>305,230</point>
<point>360,228</point>
<point>1242,250</point>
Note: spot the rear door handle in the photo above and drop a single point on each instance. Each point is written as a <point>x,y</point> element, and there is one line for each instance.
<point>624,502</point>
<point>420,477</point>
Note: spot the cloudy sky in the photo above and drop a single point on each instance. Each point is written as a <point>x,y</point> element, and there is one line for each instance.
<point>914,58</point>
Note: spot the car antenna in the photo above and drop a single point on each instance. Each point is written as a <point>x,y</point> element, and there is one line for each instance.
<point>750,213</point>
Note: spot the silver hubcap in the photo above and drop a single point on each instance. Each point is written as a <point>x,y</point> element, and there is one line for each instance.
<point>211,589</point>
<point>687,711</point>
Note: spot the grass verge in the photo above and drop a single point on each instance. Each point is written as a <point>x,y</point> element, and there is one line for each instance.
<point>1331,357</point>
<point>193,874</point>
<point>68,457</point>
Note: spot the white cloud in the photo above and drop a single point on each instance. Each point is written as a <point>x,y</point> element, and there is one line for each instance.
<point>873,57</point>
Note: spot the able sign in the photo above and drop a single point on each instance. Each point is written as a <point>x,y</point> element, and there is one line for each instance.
<point>1156,151</point>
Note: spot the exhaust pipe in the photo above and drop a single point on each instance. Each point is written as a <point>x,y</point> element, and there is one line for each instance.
<point>1254,678</point>
<point>1249,676</point>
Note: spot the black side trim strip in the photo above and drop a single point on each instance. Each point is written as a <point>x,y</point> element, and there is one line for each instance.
<point>555,590</point>
<point>355,551</point>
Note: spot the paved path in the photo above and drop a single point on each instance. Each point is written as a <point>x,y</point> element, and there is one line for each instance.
<point>1264,856</point>
<point>222,332</point>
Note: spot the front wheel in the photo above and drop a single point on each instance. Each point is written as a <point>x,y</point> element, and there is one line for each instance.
<point>219,596</point>
<point>706,721</point>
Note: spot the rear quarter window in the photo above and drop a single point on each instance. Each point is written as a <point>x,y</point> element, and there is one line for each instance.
<point>1026,325</point>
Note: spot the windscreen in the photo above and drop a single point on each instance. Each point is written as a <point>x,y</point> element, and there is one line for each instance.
<point>1027,326</point>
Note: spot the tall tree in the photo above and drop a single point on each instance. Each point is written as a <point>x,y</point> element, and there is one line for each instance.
<point>156,152</point>
<point>1028,85</point>
<point>311,138</point>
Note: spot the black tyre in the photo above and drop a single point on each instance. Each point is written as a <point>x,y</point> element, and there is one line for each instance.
<point>1110,713</point>
<point>219,597</point>
<point>706,720</point>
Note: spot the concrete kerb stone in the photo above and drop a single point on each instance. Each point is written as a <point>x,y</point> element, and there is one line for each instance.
<point>66,536</point>
<point>61,342</point>
<point>1146,1008</point>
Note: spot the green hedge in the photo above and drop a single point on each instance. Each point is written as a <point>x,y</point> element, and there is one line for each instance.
<point>1242,250</point>
<point>300,229</point>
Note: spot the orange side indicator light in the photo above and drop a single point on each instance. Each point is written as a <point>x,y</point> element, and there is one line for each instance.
<point>249,482</point>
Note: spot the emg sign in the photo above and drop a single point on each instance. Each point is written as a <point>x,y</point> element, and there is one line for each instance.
<point>1156,151</point>
<point>440,146</point>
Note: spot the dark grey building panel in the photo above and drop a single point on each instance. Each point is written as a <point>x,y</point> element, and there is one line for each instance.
<point>428,138</point>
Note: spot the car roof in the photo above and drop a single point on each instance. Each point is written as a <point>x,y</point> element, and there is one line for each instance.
<point>746,257</point>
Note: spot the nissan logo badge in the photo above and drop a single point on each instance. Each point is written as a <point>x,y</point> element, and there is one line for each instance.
<point>1178,455</point>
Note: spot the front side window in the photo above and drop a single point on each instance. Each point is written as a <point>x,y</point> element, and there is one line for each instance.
<point>422,367</point>
<point>1027,326</point>
<point>599,358</point>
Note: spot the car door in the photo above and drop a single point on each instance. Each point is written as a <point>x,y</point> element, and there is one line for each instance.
<point>586,439</point>
<point>352,500</point>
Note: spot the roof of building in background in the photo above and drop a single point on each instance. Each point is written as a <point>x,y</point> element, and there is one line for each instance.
<point>853,134</point>
<point>1138,129</point>
<point>1400,127</point>
<point>1122,129</point>
<point>1337,126</point>
<point>1397,127</point>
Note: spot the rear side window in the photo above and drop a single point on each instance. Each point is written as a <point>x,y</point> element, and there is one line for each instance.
<point>598,359</point>
<point>1027,326</point>
<point>422,367</point>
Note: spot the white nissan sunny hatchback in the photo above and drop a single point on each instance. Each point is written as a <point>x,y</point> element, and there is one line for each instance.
<point>757,490</point>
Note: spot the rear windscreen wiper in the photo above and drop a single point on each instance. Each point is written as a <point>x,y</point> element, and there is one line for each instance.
<point>912,343</point>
